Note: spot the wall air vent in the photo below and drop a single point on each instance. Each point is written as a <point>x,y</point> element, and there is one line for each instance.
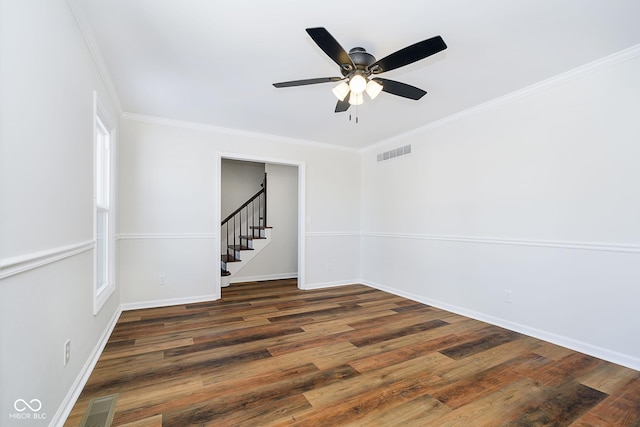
<point>396,152</point>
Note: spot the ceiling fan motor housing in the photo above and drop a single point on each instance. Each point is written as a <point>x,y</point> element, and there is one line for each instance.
<point>361,59</point>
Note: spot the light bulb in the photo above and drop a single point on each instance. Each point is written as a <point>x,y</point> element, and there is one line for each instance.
<point>357,84</point>
<point>373,89</point>
<point>341,91</point>
<point>356,98</point>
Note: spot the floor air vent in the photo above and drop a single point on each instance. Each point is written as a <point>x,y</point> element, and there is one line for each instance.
<point>100,412</point>
<point>396,152</point>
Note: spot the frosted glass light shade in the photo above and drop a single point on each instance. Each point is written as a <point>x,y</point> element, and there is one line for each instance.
<point>357,84</point>
<point>341,91</point>
<point>356,98</point>
<point>373,89</point>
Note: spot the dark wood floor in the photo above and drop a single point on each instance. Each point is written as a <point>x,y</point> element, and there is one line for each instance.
<point>270,354</point>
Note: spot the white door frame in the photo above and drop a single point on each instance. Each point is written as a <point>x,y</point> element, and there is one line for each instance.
<point>301,207</point>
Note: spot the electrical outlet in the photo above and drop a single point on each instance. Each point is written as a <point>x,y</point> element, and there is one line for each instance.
<point>67,351</point>
<point>329,267</point>
<point>507,296</point>
<point>163,279</point>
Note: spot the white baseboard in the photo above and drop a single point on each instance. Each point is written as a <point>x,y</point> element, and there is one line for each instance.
<point>167,302</point>
<point>280,276</point>
<point>582,347</point>
<point>321,285</point>
<point>74,392</point>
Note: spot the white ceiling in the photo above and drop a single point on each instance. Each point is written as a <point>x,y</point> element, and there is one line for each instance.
<point>214,62</point>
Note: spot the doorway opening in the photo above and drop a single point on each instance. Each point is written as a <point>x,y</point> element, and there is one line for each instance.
<point>282,256</point>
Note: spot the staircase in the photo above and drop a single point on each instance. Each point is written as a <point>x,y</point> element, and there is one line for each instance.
<point>244,233</point>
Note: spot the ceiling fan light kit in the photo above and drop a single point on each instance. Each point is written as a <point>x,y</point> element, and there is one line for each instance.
<point>357,83</point>
<point>358,68</point>
<point>341,91</point>
<point>373,89</point>
<point>356,98</point>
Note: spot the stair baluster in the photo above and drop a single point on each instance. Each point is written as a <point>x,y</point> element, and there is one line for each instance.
<point>249,208</point>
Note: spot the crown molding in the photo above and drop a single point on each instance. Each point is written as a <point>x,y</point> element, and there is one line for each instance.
<point>576,73</point>
<point>230,131</point>
<point>92,45</point>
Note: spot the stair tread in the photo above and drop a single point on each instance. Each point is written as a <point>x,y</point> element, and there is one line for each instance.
<point>249,237</point>
<point>224,273</point>
<point>240,248</point>
<point>259,227</point>
<point>228,258</point>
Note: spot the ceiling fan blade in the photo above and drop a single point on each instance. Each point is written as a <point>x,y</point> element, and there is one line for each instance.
<point>330,46</point>
<point>308,81</point>
<point>343,106</point>
<point>409,54</point>
<point>400,89</point>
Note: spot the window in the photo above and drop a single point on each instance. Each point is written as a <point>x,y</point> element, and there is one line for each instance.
<point>104,284</point>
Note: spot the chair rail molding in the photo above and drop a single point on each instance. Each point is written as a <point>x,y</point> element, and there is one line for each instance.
<point>23,263</point>
<point>589,246</point>
<point>332,234</point>
<point>167,236</point>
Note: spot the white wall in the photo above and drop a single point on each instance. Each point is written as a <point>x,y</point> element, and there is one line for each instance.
<point>538,195</point>
<point>169,202</point>
<point>47,79</point>
<point>280,258</point>
<point>240,180</point>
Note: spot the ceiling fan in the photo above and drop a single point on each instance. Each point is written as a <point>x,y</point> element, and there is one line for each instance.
<point>358,66</point>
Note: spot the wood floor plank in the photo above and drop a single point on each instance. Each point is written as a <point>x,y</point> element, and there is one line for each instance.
<point>155,421</point>
<point>561,405</point>
<point>485,360</point>
<point>607,377</point>
<point>418,412</point>
<point>134,404</point>
<point>216,392</point>
<point>397,333</point>
<point>494,409</point>
<point>611,412</point>
<point>376,380</point>
<point>382,399</point>
<point>217,408</point>
<point>255,369</point>
<point>473,347</point>
<point>285,411</point>
<point>141,348</point>
<point>567,369</point>
<point>270,354</point>
<point>408,352</point>
<point>467,389</point>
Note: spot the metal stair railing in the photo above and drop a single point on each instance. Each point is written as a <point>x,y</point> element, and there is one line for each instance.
<point>254,218</point>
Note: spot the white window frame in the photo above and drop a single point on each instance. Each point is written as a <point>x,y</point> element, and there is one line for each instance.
<point>103,179</point>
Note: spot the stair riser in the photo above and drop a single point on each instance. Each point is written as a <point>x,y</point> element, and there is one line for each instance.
<point>246,242</point>
<point>247,256</point>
